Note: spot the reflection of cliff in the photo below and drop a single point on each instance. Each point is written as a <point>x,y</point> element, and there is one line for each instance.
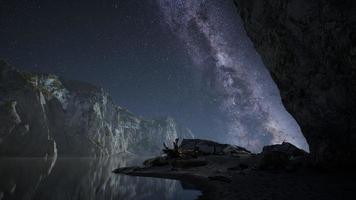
<point>79,179</point>
<point>20,178</point>
<point>42,115</point>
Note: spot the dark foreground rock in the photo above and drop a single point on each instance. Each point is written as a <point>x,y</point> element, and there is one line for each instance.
<point>249,176</point>
<point>285,148</point>
<point>310,49</point>
<point>283,156</point>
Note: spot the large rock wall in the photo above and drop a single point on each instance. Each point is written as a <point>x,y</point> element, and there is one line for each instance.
<point>310,49</point>
<point>43,115</point>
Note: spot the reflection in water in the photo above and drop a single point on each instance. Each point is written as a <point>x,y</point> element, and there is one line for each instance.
<point>82,178</point>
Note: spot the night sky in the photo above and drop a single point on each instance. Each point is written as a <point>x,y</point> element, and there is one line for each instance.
<point>190,60</point>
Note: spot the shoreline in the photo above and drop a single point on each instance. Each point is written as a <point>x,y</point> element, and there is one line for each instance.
<point>220,180</point>
<point>208,189</point>
<point>199,177</point>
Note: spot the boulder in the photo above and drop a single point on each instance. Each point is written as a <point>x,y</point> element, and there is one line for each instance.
<point>207,147</point>
<point>284,148</point>
<point>282,156</point>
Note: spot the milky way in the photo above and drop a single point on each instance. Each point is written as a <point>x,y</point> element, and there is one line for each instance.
<point>213,35</point>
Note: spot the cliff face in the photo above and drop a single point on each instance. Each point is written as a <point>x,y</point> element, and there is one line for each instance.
<point>43,115</point>
<point>310,49</point>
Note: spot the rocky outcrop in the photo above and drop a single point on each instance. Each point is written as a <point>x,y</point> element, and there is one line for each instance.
<point>283,156</point>
<point>285,148</point>
<point>208,147</point>
<point>43,115</point>
<point>310,49</point>
<point>251,176</point>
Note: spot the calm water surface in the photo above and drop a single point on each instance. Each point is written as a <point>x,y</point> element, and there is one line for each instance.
<point>82,179</point>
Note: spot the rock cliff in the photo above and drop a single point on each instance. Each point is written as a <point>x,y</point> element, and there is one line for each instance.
<point>310,49</point>
<point>44,115</point>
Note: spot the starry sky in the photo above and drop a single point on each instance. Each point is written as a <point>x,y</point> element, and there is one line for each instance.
<point>190,60</point>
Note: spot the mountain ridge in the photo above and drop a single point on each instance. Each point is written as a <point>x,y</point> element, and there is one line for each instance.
<point>45,115</point>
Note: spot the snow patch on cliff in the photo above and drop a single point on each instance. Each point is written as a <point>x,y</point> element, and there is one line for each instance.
<point>54,86</point>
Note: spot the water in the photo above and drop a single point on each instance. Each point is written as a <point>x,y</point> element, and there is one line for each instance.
<point>82,178</point>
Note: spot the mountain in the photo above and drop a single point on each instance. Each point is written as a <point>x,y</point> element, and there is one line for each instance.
<point>43,115</point>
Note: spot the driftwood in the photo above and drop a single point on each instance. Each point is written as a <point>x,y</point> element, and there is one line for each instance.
<point>177,152</point>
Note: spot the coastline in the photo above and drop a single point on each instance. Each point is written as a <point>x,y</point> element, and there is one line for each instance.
<point>224,178</point>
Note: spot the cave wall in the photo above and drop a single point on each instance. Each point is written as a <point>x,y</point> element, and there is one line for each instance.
<point>309,48</point>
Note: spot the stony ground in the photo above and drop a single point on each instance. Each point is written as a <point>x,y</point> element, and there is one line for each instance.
<point>231,177</point>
